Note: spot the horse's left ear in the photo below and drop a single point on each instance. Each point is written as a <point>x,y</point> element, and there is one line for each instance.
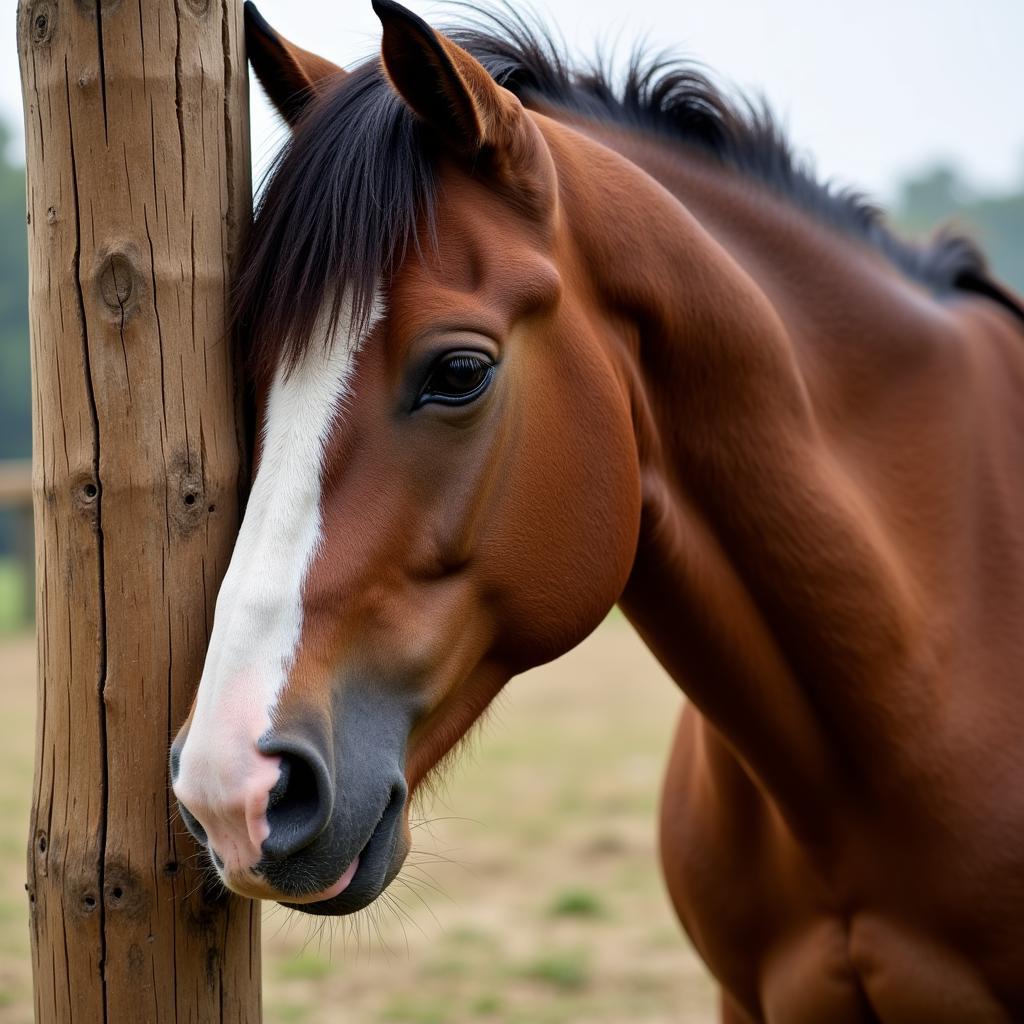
<point>291,76</point>
<point>447,87</point>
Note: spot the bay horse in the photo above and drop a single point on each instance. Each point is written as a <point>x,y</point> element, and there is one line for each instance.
<point>526,343</point>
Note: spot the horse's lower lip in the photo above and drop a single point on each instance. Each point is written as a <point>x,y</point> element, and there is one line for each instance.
<point>331,891</point>
<point>356,888</point>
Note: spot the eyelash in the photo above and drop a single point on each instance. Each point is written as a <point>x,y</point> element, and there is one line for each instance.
<point>458,362</point>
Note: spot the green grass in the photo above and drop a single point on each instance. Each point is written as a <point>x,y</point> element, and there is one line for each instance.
<point>577,903</point>
<point>287,1013</point>
<point>487,1004</point>
<point>304,967</point>
<point>407,1010</point>
<point>14,611</point>
<point>467,935</point>
<point>447,967</point>
<point>567,970</point>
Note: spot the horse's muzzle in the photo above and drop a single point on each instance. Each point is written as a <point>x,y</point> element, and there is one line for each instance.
<point>327,834</point>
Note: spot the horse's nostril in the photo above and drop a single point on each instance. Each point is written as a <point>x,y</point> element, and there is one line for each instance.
<point>299,805</point>
<point>295,795</point>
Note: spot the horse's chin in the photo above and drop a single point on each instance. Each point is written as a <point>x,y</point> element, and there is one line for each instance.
<point>375,869</point>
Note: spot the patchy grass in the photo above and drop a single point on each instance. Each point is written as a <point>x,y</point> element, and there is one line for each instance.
<point>409,1010</point>
<point>487,1004</point>
<point>286,1013</point>
<point>303,966</point>
<point>577,903</point>
<point>568,970</point>
<point>13,599</point>
<point>532,895</point>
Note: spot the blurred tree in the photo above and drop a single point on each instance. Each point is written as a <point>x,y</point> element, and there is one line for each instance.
<point>15,392</point>
<point>15,386</point>
<point>940,194</point>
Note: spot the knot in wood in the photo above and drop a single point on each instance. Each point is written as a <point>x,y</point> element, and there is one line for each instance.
<point>186,482</point>
<point>118,283</point>
<point>41,18</point>
<point>85,898</point>
<point>85,492</point>
<point>199,7</point>
<point>125,891</point>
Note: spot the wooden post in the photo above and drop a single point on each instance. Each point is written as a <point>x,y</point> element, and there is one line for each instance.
<point>138,184</point>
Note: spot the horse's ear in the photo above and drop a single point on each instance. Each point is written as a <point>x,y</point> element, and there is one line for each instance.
<point>291,76</point>
<point>447,87</point>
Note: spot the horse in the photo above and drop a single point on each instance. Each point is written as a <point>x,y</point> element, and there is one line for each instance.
<point>526,341</point>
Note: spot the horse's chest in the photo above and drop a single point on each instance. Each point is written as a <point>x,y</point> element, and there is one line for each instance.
<point>773,930</point>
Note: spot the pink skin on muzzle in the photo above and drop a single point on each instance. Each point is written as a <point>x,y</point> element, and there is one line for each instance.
<point>225,781</point>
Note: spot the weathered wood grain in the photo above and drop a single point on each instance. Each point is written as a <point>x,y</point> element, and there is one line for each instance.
<point>138,185</point>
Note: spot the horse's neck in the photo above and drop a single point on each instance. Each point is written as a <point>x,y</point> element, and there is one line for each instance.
<point>772,366</point>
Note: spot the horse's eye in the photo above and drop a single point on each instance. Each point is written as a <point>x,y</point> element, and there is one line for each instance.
<point>456,378</point>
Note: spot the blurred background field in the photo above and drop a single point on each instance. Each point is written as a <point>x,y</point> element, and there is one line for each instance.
<point>533,895</point>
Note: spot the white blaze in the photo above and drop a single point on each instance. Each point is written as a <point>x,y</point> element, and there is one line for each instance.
<point>258,616</point>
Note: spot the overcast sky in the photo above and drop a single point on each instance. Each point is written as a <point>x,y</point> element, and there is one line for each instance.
<point>872,89</point>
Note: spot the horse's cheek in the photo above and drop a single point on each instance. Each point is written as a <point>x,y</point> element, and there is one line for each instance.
<point>572,509</point>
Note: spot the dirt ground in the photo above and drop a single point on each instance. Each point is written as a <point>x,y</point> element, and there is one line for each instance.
<point>532,895</point>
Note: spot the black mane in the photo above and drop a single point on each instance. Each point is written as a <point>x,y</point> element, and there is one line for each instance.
<point>347,193</point>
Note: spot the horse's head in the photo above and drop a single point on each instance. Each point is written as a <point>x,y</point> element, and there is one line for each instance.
<point>446,489</point>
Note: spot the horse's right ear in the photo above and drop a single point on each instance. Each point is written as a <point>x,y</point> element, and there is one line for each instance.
<point>444,85</point>
<point>291,76</point>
